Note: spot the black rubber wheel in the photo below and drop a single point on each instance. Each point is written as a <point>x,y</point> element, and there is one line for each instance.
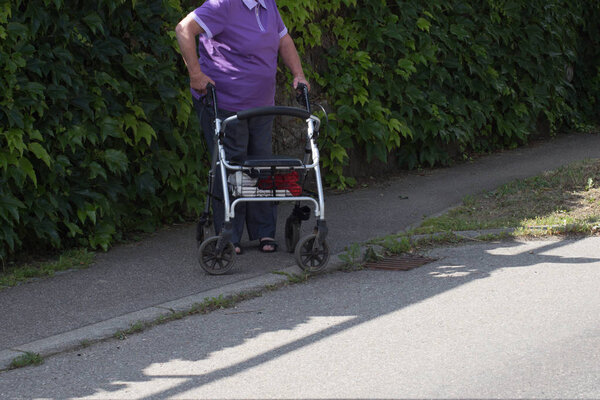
<point>292,233</point>
<point>311,259</point>
<point>212,262</point>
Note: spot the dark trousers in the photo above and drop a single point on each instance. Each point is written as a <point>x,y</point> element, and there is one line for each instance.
<point>250,137</point>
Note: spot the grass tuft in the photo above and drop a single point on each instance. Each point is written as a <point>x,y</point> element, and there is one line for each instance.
<point>25,360</point>
<point>12,275</point>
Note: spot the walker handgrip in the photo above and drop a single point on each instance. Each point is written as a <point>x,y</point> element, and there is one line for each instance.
<point>275,110</point>
<point>302,96</point>
<point>211,91</point>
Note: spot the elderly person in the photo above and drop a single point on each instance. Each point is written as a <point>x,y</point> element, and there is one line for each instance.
<point>239,41</point>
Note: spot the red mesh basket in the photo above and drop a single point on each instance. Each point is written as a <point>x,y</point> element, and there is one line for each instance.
<point>287,181</point>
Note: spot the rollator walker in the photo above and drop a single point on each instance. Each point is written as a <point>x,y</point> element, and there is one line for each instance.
<point>273,178</point>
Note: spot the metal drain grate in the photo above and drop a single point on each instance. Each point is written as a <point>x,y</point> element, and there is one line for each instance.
<point>403,262</point>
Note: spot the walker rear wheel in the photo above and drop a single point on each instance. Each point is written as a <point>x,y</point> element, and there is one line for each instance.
<point>213,262</point>
<point>310,257</point>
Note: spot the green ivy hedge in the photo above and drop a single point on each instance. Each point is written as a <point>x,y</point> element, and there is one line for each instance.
<point>587,66</point>
<point>429,81</point>
<point>95,131</point>
<point>97,134</point>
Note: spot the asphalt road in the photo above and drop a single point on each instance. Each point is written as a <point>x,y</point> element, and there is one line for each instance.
<point>493,320</point>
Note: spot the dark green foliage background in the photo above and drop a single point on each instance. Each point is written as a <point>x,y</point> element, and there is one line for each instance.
<point>96,131</point>
<point>98,137</point>
<point>429,81</point>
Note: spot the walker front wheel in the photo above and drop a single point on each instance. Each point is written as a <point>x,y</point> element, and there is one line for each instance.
<point>292,233</point>
<point>214,262</point>
<point>310,256</point>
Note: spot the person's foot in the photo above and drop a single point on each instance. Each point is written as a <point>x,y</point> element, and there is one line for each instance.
<point>238,249</point>
<point>267,245</point>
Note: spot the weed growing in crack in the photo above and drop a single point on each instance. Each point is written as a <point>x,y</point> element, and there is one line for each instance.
<point>352,258</point>
<point>25,360</point>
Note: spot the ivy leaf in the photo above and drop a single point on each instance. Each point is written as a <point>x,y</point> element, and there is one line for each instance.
<point>110,127</point>
<point>26,166</point>
<point>10,205</point>
<point>347,113</point>
<point>405,68</point>
<point>423,24</point>
<point>146,184</point>
<point>14,140</point>
<point>137,110</point>
<point>57,3</point>
<point>377,149</point>
<point>102,235</point>
<point>74,230</point>
<point>87,211</point>
<point>8,236</point>
<point>94,22</point>
<point>16,29</point>
<point>56,92</point>
<point>35,88</point>
<point>102,78</point>
<point>116,160</point>
<point>144,131</point>
<point>83,102</point>
<point>166,92</point>
<point>47,229</point>
<point>34,134</point>
<point>428,155</point>
<point>7,158</point>
<point>364,59</point>
<point>339,153</point>
<point>62,54</point>
<point>40,152</point>
<point>401,127</point>
<point>131,122</point>
<point>15,118</point>
<point>133,66</point>
<point>459,31</point>
<point>184,109</point>
<point>361,96</point>
<point>96,170</point>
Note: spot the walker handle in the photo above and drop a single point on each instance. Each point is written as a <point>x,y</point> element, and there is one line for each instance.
<point>274,110</point>
<point>302,96</point>
<point>211,92</point>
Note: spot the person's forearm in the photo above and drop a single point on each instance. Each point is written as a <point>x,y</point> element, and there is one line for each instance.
<point>186,32</point>
<point>290,57</point>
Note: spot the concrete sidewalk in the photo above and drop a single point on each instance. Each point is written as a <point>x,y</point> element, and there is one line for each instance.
<point>142,281</point>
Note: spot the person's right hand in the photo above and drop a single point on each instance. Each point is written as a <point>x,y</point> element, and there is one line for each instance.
<point>198,82</point>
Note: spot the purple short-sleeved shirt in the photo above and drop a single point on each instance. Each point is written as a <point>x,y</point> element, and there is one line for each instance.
<point>239,50</point>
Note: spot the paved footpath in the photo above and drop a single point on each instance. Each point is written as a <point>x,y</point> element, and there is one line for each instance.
<point>143,280</point>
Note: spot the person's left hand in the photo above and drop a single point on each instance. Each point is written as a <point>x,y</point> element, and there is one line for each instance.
<point>300,79</point>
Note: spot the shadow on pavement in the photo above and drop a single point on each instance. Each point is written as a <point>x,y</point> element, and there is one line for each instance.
<point>182,359</point>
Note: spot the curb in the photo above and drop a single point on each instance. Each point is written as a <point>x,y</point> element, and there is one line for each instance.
<point>106,329</point>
